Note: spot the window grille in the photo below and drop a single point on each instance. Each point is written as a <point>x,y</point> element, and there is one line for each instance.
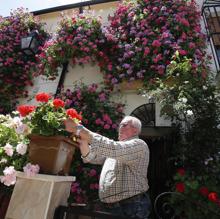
<point>211,17</point>
<point>146,113</point>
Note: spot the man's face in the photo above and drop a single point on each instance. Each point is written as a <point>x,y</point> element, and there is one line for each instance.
<point>126,130</point>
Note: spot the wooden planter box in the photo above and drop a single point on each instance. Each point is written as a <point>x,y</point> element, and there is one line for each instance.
<point>53,154</point>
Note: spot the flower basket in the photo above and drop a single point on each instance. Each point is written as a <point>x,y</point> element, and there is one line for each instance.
<point>134,85</point>
<point>172,81</point>
<point>52,153</point>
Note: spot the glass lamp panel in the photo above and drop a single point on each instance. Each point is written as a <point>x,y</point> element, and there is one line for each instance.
<point>25,42</point>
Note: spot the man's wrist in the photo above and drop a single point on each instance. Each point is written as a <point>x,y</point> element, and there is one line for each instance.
<point>78,129</point>
<point>86,155</point>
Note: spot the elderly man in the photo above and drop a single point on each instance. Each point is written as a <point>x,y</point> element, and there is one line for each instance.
<point>123,181</point>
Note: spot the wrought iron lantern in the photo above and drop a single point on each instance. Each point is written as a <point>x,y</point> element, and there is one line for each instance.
<point>30,43</point>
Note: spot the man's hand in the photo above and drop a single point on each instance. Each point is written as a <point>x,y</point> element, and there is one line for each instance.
<point>70,126</point>
<point>84,133</point>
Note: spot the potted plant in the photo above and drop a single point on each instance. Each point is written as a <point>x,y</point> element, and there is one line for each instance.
<point>50,146</point>
<point>13,157</point>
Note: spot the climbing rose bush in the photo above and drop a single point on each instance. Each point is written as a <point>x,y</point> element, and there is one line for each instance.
<point>143,36</point>
<point>16,69</point>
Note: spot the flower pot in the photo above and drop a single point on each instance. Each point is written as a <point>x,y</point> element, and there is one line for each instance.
<point>53,154</point>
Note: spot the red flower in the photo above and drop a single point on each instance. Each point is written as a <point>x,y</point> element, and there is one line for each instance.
<point>58,103</point>
<point>72,113</point>
<point>181,171</point>
<point>213,196</point>
<point>180,187</point>
<point>204,191</point>
<point>24,110</point>
<point>42,97</point>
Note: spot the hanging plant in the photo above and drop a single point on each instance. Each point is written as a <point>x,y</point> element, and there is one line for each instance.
<point>78,39</point>
<point>144,35</point>
<point>101,115</point>
<point>16,69</point>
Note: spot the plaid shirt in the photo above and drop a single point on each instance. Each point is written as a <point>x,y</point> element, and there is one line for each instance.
<point>125,164</point>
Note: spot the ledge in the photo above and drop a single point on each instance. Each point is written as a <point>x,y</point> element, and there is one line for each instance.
<point>157,131</point>
<point>45,177</point>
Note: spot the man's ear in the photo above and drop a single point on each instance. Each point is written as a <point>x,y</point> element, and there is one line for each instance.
<point>135,131</point>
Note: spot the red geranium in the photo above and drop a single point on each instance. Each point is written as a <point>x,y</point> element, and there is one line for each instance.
<point>180,187</point>
<point>204,191</point>
<point>49,116</point>
<point>213,196</point>
<point>73,114</point>
<point>42,97</point>
<point>58,103</point>
<point>24,110</point>
<point>181,171</point>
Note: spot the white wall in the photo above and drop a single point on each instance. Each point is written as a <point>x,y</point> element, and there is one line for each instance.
<point>91,74</point>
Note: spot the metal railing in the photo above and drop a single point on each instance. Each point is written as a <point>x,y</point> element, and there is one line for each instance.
<point>165,209</point>
<point>211,18</point>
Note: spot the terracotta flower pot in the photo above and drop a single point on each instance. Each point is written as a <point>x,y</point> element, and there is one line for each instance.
<point>53,154</point>
<point>134,85</point>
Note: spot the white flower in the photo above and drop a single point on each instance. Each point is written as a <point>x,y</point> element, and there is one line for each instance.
<point>164,8</point>
<point>17,124</point>
<point>208,160</point>
<point>204,87</point>
<point>20,129</point>
<point>189,112</point>
<point>17,121</point>
<point>8,149</point>
<point>218,126</point>
<point>3,160</point>
<point>21,148</point>
<point>183,100</point>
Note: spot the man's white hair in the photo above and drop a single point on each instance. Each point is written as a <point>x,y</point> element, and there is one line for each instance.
<point>134,121</point>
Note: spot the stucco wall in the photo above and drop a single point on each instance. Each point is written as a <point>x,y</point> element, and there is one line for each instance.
<point>90,74</point>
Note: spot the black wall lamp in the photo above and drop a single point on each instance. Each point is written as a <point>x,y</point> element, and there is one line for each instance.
<point>30,43</point>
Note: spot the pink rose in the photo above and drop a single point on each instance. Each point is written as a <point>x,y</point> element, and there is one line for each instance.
<point>21,148</point>
<point>8,149</point>
<point>9,177</point>
<point>92,172</point>
<point>31,170</point>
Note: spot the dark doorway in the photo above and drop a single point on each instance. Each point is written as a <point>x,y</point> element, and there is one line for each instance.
<point>159,170</point>
<point>160,142</point>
